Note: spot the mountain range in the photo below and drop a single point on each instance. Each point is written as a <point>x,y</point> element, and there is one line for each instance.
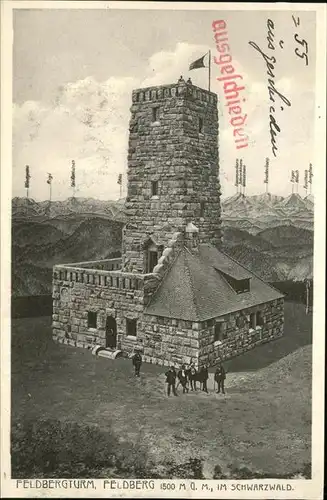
<point>27,208</point>
<point>255,213</point>
<point>271,235</point>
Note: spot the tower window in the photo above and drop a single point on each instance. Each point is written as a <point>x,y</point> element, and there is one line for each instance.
<point>154,188</point>
<point>92,319</point>
<point>200,125</point>
<point>152,260</point>
<point>202,206</point>
<point>131,327</point>
<point>155,114</point>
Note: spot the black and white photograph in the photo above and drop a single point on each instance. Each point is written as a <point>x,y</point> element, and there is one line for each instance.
<point>163,209</point>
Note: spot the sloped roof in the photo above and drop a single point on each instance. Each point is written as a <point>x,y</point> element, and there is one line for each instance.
<point>195,290</point>
<point>223,263</point>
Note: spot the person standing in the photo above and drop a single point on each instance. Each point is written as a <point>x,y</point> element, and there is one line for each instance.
<point>192,376</point>
<point>220,376</point>
<point>137,362</point>
<point>203,377</point>
<point>171,381</point>
<point>182,377</point>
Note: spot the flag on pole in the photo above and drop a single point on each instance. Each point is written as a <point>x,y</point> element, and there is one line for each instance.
<point>310,173</point>
<point>240,178</point>
<point>293,176</point>
<point>236,172</point>
<point>49,181</point>
<point>266,180</point>
<point>199,63</point>
<point>27,176</point>
<point>120,179</point>
<point>72,177</point>
<point>244,176</point>
<point>306,179</point>
<point>297,176</point>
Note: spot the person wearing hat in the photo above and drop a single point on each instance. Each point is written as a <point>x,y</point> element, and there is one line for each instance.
<point>182,377</point>
<point>192,376</point>
<point>137,362</point>
<point>171,381</point>
<point>220,376</point>
<point>203,377</point>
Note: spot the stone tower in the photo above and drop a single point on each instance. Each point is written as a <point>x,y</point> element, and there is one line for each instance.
<point>173,171</point>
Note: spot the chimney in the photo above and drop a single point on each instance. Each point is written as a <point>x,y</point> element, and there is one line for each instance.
<point>191,237</point>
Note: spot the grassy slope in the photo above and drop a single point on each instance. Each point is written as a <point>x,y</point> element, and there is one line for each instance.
<point>263,422</point>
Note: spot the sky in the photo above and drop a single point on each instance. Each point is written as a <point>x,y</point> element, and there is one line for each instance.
<point>74,71</point>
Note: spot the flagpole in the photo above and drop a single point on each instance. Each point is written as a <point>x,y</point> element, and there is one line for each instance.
<point>209,68</point>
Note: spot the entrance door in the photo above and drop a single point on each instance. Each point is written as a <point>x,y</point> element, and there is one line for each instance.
<point>111,332</point>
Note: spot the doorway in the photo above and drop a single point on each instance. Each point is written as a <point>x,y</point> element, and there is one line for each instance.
<point>111,332</point>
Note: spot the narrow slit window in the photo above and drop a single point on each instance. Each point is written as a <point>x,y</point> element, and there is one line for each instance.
<point>259,318</point>
<point>154,188</point>
<point>218,332</point>
<point>92,319</point>
<point>155,114</point>
<point>152,260</point>
<point>253,322</point>
<point>200,125</point>
<point>202,207</point>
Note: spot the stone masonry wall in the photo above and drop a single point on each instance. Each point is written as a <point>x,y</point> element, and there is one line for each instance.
<point>184,160</point>
<point>169,341</point>
<point>239,339</point>
<point>163,341</point>
<point>78,291</point>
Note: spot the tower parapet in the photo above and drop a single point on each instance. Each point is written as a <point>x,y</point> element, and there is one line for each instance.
<point>179,89</point>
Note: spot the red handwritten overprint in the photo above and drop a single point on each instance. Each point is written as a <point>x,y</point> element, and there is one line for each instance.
<point>231,87</point>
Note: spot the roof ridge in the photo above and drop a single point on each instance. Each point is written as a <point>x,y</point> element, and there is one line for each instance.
<point>254,274</point>
<point>197,315</point>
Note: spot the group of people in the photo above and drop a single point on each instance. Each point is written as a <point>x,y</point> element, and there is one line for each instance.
<point>187,377</point>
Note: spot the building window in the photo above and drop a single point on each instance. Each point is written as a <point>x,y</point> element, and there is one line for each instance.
<point>200,125</point>
<point>154,188</point>
<point>253,322</point>
<point>131,327</point>
<point>259,319</point>
<point>202,206</point>
<point>240,322</point>
<point>238,285</point>
<point>155,114</point>
<point>92,319</point>
<point>218,332</point>
<point>152,260</point>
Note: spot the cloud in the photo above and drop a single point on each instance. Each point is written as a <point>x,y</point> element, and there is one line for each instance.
<point>88,122</point>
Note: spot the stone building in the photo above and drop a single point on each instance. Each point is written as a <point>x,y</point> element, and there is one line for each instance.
<point>174,294</point>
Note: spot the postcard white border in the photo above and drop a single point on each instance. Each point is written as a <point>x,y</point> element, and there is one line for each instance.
<point>303,489</point>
